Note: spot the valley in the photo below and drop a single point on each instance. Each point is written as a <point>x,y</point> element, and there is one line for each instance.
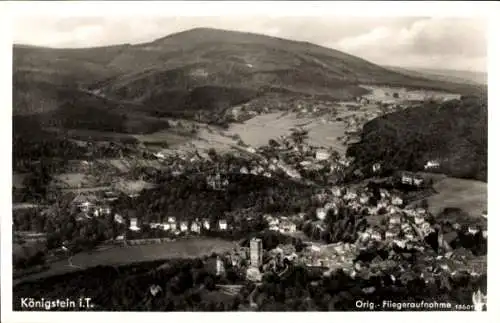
<point>335,164</point>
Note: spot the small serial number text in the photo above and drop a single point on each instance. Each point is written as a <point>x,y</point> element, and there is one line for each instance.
<point>397,306</point>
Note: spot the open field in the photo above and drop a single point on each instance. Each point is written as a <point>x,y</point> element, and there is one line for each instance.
<point>189,248</point>
<point>132,186</point>
<point>164,136</point>
<point>257,131</point>
<point>469,195</point>
<point>326,135</point>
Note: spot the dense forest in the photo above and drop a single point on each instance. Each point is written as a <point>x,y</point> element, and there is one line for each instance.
<point>454,133</point>
<point>190,197</point>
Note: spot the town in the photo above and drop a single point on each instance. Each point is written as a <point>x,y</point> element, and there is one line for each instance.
<point>216,170</point>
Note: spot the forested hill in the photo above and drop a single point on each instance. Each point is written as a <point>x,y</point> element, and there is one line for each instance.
<point>454,133</point>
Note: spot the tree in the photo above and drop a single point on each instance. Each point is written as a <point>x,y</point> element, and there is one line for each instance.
<point>212,153</point>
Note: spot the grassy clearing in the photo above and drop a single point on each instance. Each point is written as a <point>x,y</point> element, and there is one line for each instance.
<point>326,134</point>
<point>164,136</point>
<point>132,186</point>
<point>469,195</point>
<point>257,131</point>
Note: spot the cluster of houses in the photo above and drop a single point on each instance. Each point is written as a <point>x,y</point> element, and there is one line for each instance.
<point>411,179</point>
<point>90,206</point>
<point>280,224</point>
<point>217,182</point>
<point>330,257</point>
<point>291,157</point>
<point>179,226</point>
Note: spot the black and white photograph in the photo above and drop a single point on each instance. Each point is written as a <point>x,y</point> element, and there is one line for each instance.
<point>246,163</point>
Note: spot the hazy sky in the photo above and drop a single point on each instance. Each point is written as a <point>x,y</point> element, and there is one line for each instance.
<point>450,43</point>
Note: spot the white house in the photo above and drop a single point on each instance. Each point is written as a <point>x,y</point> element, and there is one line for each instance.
<point>222,224</point>
<point>321,213</point>
<point>431,164</point>
<point>195,227</point>
<point>173,226</point>
<point>375,235</point>
<point>472,230</point>
<point>305,163</point>
<point>426,229</point>
<point>405,179</point>
<point>418,181</point>
<point>396,200</point>
<point>393,209</point>
<point>171,219</point>
<point>421,211</point>
<point>272,221</point>
<point>337,191</point>
<point>395,220</point>
<point>391,234</point>
<point>322,155</point>
<point>159,155</point>
<point>406,228</point>
<point>274,228</point>
<point>165,226</point>
<point>154,225</point>
<point>376,167</point>
<point>381,204</point>
<point>400,243</point>
<point>350,196</point>
<point>133,224</point>
<point>315,248</point>
<point>292,173</point>
<point>154,289</point>
<point>384,193</point>
<point>419,220</point>
<point>118,218</point>
<point>287,227</point>
<point>409,236</point>
<point>364,236</point>
<point>206,224</point>
<point>364,199</point>
<point>244,170</point>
